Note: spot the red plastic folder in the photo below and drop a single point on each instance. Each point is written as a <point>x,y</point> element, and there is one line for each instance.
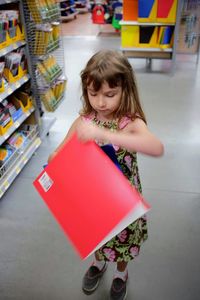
<point>88,195</point>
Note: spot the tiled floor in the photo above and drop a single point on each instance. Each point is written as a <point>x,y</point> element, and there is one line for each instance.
<point>82,26</point>
<point>36,260</point>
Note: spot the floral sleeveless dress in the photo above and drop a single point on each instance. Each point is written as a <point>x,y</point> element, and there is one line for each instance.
<point>126,245</point>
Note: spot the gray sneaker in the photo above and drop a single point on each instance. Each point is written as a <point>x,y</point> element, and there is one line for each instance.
<point>118,289</point>
<point>92,278</point>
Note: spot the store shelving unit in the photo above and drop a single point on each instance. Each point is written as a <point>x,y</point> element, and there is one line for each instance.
<point>81,6</point>
<point>32,121</point>
<point>39,53</point>
<point>68,10</point>
<point>20,156</point>
<point>146,44</point>
<point>189,33</point>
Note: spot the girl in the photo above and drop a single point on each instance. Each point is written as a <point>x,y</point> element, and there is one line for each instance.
<point>112,114</point>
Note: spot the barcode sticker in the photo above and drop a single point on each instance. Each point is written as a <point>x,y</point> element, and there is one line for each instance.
<point>45,181</point>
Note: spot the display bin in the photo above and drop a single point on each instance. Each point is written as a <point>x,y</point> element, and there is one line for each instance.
<point>4,39</point>
<point>31,132</point>
<point>19,112</point>
<point>9,76</point>
<point>10,36</point>
<point>2,86</point>
<point>15,34</point>
<point>6,120</point>
<point>166,11</point>
<point>147,10</point>
<point>165,37</point>
<point>24,100</point>
<point>129,36</point>
<point>130,10</point>
<point>139,36</point>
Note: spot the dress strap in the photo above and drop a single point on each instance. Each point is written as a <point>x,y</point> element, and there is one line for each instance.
<point>124,121</point>
<point>89,117</point>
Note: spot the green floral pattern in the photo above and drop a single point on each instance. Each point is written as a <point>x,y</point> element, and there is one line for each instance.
<point>126,245</point>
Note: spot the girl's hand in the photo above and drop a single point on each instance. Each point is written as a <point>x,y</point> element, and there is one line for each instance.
<point>87,131</point>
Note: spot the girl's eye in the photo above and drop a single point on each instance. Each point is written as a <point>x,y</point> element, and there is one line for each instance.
<point>110,95</point>
<point>93,95</point>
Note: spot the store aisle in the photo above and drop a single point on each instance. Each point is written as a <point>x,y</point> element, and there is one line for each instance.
<point>37,261</point>
<point>82,26</point>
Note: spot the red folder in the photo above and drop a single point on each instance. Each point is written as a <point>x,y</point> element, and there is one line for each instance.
<point>88,195</point>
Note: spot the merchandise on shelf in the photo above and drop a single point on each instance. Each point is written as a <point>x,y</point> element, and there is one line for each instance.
<point>46,39</point>
<point>13,149</point>
<point>18,140</point>
<point>5,119</point>
<point>2,65</point>
<point>5,153</point>
<point>24,100</point>
<point>117,14</point>
<point>48,69</point>
<point>43,10</point>
<point>15,65</point>
<point>10,29</point>
<point>52,97</point>
<point>14,108</point>
<point>107,12</point>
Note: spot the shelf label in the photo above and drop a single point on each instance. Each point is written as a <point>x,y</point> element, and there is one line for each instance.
<point>3,52</point>
<point>10,91</point>
<point>18,170</point>
<point>17,84</point>
<point>6,136</point>
<point>25,159</point>
<point>17,124</point>
<point>6,185</point>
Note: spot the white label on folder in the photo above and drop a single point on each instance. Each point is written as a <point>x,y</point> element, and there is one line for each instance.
<point>45,181</point>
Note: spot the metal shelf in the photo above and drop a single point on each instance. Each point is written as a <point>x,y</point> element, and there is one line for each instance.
<point>17,123</point>
<point>12,47</point>
<point>13,87</point>
<point>133,23</point>
<point>18,166</point>
<point>140,49</point>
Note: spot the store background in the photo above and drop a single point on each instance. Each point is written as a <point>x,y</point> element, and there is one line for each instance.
<point>37,262</point>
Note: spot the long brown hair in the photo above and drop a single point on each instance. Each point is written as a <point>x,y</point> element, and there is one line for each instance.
<point>112,67</point>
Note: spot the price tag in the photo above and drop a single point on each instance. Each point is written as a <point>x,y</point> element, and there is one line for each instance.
<point>6,136</point>
<point>17,124</point>
<point>6,185</point>
<point>18,170</point>
<point>3,52</point>
<point>10,91</point>
<point>25,160</point>
<point>17,84</point>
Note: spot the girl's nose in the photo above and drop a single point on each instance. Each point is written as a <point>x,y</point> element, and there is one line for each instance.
<point>101,102</point>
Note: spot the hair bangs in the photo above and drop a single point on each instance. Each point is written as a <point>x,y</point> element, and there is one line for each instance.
<point>99,76</point>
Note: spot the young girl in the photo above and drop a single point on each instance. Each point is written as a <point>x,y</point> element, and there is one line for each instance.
<point>112,114</point>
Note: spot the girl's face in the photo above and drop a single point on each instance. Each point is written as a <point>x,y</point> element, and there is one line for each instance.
<point>105,101</point>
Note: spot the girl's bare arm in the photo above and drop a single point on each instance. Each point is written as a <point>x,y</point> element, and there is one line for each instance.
<point>135,137</point>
